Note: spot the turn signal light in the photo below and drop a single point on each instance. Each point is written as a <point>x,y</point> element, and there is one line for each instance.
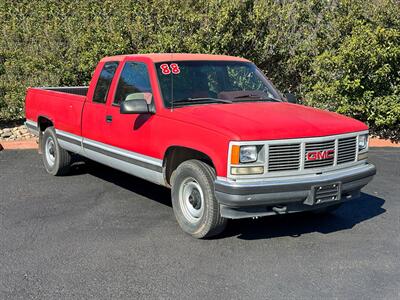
<point>247,170</point>
<point>363,155</point>
<point>235,153</point>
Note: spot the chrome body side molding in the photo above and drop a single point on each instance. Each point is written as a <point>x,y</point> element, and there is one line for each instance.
<point>32,127</point>
<point>133,163</point>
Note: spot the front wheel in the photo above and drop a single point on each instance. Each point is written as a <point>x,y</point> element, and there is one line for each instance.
<point>193,200</point>
<point>56,160</point>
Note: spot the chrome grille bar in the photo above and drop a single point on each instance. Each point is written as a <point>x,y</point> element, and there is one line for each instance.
<point>347,150</point>
<point>284,157</point>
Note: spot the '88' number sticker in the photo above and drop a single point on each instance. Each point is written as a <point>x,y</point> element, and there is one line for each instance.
<point>171,68</point>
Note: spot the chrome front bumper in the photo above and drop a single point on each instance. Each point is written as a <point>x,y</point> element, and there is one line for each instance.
<point>265,197</point>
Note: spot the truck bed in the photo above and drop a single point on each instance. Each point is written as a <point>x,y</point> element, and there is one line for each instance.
<point>63,105</point>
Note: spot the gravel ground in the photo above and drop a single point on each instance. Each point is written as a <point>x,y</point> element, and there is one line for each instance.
<point>102,234</point>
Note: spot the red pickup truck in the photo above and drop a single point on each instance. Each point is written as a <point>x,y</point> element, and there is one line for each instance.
<point>211,127</point>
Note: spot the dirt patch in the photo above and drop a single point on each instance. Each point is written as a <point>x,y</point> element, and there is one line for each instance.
<point>377,142</point>
<point>23,144</point>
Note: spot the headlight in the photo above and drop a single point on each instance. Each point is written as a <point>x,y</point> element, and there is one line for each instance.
<point>248,154</point>
<point>362,142</point>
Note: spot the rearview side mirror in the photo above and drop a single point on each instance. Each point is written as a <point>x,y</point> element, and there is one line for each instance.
<point>135,106</point>
<point>137,103</point>
<point>291,98</point>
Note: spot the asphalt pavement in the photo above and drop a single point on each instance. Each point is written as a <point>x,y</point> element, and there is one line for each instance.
<point>100,234</point>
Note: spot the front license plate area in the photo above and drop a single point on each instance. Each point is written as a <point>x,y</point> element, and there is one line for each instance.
<point>324,193</point>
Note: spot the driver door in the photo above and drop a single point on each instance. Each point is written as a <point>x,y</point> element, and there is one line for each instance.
<point>130,132</point>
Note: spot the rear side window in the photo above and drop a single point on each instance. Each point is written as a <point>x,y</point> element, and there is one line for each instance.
<point>134,79</point>
<point>104,82</point>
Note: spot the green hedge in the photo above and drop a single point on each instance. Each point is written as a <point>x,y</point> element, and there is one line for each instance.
<point>340,55</point>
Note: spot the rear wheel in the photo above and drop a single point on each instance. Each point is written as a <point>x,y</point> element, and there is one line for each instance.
<point>193,200</point>
<point>56,160</point>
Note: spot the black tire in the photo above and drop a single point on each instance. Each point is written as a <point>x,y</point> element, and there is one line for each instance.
<point>327,210</point>
<point>62,158</point>
<point>196,174</point>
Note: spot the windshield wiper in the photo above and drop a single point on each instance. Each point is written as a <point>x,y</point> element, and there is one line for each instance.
<point>247,96</point>
<point>200,100</point>
<point>255,98</point>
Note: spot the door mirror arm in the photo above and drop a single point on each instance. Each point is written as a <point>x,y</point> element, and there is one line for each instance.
<point>291,98</point>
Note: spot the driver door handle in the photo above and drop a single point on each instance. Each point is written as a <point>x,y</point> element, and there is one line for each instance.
<point>108,119</point>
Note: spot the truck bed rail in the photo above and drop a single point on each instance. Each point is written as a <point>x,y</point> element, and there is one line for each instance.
<point>76,90</point>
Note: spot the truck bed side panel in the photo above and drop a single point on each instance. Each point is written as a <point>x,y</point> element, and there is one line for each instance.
<point>63,109</point>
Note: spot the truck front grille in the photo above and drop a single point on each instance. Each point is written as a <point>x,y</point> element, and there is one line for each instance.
<point>312,154</point>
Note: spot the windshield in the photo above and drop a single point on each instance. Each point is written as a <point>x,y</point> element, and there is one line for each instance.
<point>201,82</point>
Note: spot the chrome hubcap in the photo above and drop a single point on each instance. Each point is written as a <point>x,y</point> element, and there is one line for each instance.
<point>50,149</point>
<point>191,200</point>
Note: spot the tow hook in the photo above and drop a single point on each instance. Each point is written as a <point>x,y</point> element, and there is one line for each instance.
<point>279,209</point>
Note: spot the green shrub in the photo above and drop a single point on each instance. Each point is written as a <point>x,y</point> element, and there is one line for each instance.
<point>339,55</point>
<point>361,79</point>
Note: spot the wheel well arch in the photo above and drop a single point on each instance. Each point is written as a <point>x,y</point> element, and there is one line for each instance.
<point>175,155</point>
<point>43,123</point>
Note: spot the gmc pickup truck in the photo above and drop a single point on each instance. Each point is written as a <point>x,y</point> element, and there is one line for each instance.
<point>212,128</point>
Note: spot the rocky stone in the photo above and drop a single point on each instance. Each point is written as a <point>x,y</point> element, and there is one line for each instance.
<point>6,134</point>
<point>15,133</point>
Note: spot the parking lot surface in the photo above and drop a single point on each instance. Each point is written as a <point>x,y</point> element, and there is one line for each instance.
<point>102,234</point>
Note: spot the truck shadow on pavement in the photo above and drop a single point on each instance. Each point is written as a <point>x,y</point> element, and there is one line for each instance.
<point>294,225</point>
<point>128,182</point>
<point>346,217</point>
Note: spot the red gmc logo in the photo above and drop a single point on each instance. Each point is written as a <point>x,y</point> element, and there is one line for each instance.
<point>318,155</point>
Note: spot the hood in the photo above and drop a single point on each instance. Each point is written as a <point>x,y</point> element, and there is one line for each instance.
<point>268,120</point>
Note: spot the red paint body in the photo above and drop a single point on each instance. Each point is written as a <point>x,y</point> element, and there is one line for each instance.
<point>207,128</point>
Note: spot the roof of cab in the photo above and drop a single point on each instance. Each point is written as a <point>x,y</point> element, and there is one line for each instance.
<point>160,57</point>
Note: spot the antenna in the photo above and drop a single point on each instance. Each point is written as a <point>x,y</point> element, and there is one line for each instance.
<point>172,84</point>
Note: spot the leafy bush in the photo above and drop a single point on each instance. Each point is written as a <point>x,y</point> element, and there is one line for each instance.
<point>360,77</point>
<point>339,55</point>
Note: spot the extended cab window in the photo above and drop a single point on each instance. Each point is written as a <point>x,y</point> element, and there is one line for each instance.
<point>134,79</point>
<point>104,82</point>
